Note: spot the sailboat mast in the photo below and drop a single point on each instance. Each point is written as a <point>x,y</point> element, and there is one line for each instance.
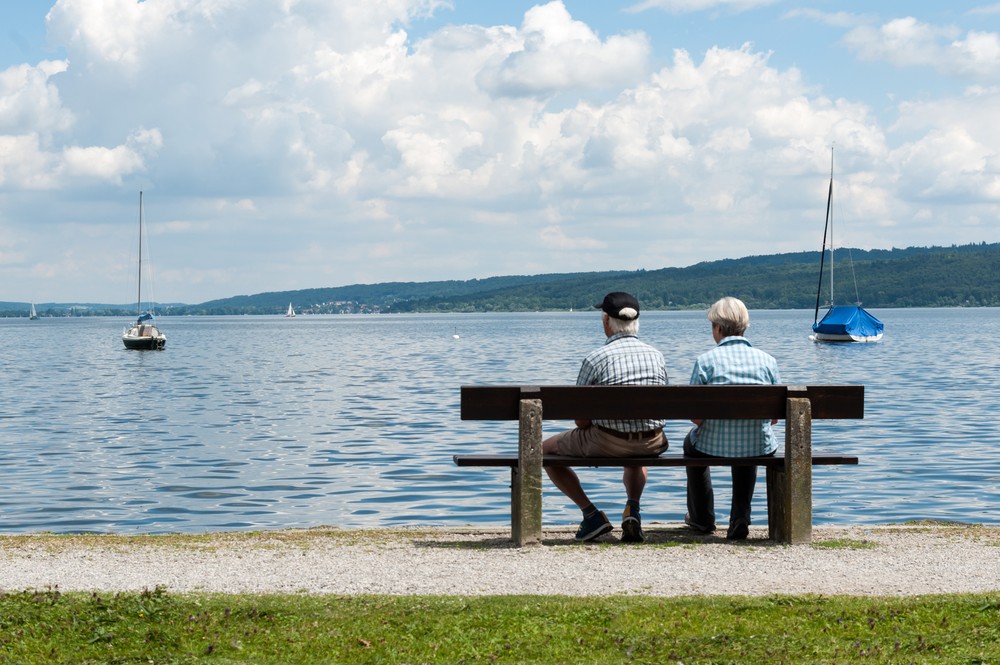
<point>138,298</point>
<point>829,215</point>
<point>822,253</point>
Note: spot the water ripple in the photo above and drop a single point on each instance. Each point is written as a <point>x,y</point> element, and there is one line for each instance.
<point>261,422</point>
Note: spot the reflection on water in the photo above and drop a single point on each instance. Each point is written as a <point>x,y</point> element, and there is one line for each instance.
<point>268,422</point>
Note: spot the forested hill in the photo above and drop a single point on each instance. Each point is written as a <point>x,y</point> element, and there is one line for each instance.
<point>957,276</point>
<point>967,275</point>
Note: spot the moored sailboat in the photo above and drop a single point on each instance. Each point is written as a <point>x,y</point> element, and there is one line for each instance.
<point>143,335</point>
<point>841,323</point>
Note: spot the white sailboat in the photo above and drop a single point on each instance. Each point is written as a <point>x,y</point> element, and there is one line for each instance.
<point>33,315</point>
<point>291,311</point>
<point>143,335</point>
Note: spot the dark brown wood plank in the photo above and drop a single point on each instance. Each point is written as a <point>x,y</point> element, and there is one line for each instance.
<point>510,460</point>
<point>677,402</point>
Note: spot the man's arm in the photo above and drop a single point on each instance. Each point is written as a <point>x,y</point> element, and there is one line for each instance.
<point>586,377</point>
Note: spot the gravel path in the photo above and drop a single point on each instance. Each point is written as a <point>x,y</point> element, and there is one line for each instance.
<point>888,561</point>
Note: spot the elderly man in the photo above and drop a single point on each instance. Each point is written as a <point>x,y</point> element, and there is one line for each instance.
<point>623,360</point>
<point>733,360</point>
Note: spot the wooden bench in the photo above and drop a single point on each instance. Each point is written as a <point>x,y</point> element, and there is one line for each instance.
<point>789,474</point>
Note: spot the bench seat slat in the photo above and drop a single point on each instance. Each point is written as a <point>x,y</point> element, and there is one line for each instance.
<point>510,460</point>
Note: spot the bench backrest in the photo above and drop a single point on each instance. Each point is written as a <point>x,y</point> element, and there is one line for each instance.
<point>676,402</point>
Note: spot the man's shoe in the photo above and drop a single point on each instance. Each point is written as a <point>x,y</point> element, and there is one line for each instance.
<point>739,529</point>
<point>700,528</point>
<point>632,526</point>
<point>591,527</point>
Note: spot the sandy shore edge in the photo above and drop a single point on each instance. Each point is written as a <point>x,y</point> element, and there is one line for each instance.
<point>854,560</point>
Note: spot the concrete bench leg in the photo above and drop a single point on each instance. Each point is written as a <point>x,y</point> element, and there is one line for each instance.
<point>526,478</point>
<point>789,489</point>
<point>797,500</point>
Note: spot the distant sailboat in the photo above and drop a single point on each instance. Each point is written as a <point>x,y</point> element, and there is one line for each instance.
<point>291,311</point>
<point>841,323</point>
<point>143,335</point>
<point>33,315</point>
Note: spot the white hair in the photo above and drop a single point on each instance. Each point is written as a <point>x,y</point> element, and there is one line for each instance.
<point>618,326</point>
<point>731,315</point>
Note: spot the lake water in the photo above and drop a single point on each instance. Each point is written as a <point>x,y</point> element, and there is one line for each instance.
<point>267,422</point>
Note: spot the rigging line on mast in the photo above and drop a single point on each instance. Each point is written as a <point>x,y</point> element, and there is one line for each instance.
<point>850,259</point>
<point>857,296</point>
<point>138,296</point>
<point>150,282</point>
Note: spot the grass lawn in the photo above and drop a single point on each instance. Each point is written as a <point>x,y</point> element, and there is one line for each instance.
<point>47,626</point>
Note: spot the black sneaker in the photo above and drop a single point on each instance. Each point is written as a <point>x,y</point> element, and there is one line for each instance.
<point>739,529</point>
<point>591,527</point>
<point>632,526</point>
<point>700,528</point>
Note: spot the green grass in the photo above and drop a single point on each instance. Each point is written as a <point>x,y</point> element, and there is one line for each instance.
<point>160,627</point>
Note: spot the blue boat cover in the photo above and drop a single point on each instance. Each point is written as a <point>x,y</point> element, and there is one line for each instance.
<point>145,316</point>
<point>849,320</point>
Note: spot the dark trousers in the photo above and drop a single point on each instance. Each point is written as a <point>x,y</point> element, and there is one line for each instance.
<point>701,496</point>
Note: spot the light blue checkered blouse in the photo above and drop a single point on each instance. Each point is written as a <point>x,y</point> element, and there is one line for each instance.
<point>734,360</point>
<point>624,361</point>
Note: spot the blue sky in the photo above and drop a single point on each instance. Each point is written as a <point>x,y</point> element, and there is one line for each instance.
<point>286,145</point>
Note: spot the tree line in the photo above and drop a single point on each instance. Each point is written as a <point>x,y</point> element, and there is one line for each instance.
<point>956,276</point>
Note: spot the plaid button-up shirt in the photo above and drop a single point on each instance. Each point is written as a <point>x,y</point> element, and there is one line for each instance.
<point>624,361</point>
<point>735,361</point>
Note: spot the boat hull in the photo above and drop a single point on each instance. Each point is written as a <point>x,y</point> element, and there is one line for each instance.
<point>826,337</point>
<point>847,324</point>
<point>144,338</point>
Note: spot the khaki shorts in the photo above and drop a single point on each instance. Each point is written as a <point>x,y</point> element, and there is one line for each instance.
<point>595,442</point>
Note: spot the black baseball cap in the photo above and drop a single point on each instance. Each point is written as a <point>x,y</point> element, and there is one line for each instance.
<point>620,305</point>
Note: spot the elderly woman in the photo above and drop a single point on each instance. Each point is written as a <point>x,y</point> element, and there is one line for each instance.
<point>732,361</point>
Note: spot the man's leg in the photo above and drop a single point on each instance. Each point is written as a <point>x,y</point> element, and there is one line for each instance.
<point>595,523</point>
<point>634,478</point>
<point>564,477</point>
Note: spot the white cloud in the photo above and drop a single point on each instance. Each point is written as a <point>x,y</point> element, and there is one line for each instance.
<point>113,31</point>
<point>955,152</point>
<point>907,42</point>
<point>24,164</point>
<point>834,19</point>
<point>985,10</point>
<point>33,121</point>
<point>102,163</point>
<point>29,100</point>
<point>687,6</point>
<point>554,237</point>
<point>553,53</point>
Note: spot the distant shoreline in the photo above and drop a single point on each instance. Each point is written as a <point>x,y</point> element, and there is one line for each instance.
<point>693,308</point>
<point>955,276</point>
